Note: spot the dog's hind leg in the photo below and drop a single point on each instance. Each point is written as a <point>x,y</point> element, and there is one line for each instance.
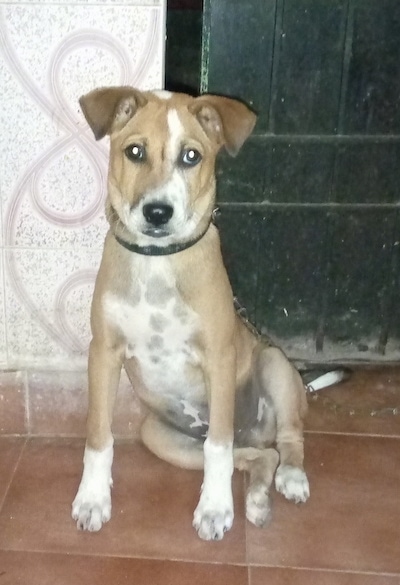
<point>187,452</point>
<point>282,383</point>
<point>171,445</point>
<point>261,465</point>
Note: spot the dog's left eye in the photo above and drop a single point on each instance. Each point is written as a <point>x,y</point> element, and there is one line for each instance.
<point>190,157</point>
<point>135,152</point>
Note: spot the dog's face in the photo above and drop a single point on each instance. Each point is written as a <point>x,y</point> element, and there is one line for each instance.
<point>163,147</point>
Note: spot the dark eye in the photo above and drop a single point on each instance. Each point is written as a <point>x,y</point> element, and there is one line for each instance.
<point>190,157</point>
<point>135,152</point>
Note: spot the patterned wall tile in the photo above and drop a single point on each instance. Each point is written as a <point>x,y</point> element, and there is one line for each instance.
<point>92,2</point>
<point>48,295</point>
<point>3,340</point>
<point>53,173</point>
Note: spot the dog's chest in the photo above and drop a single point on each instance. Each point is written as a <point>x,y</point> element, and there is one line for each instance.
<point>158,327</point>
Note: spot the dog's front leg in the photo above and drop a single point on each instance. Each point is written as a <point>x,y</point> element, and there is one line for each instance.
<point>92,505</point>
<point>214,513</point>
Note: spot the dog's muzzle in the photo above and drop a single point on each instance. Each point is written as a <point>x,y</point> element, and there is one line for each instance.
<point>157,215</point>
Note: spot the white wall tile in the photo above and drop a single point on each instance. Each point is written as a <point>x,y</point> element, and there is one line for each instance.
<point>52,172</point>
<point>48,295</point>
<point>3,340</point>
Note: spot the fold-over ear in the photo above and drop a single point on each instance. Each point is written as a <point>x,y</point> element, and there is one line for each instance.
<point>108,109</point>
<point>227,121</point>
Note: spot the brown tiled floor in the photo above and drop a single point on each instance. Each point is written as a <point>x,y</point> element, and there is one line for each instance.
<point>347,534</point>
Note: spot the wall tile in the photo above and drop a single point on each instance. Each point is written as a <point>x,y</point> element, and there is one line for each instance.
<point>367,172</point>
<point>308,66</point>
<point>300,172</point>
<point>92,2</point>
<point>239,232</point>
<point>293,246</point>
<point>53,173</point>
<point>241,178</point>
<point>3,337</point>
<point>58,405</point>
<point>360,278</point>
<point>249,76</point>
<point>48,305</point>
<point>372,96</point>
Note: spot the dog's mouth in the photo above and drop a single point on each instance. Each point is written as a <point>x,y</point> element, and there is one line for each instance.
<point>156,232</point>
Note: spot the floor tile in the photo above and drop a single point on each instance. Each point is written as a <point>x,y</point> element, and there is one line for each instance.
<point>57,569</point>
<point>153,505</point>
<point>12,403</point>
<point>275,576</point>
<point>352,520</point>
<point>10,450</point>
<point>368,402</point>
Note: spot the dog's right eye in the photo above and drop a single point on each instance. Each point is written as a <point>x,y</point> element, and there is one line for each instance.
<point>135,152</point>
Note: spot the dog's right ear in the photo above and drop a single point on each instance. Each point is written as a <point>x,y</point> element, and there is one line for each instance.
<point>108,109</point>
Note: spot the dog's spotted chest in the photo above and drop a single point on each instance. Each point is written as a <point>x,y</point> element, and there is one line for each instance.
<point>158,327</point>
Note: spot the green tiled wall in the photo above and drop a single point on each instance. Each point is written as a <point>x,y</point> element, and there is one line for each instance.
<point>310,207</point>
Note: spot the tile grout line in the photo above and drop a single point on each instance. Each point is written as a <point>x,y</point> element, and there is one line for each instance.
<point>27,403</point>
<point>350,434</point>
<point>248,566</point>
<point>221,563</point>
<point>324,570</point>
<point>3,499</point>
<point>249,574</point>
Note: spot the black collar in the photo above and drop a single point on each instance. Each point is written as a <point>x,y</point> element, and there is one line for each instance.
<point>153,250</point>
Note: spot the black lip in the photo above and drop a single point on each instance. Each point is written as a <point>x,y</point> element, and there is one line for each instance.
<point>156,232</point>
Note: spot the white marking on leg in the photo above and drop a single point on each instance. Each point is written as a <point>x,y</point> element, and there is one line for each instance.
<point>292,482</point>
<point>92,505</point>
<point>214,513</point>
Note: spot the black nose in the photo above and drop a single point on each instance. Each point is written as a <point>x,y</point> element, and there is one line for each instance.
<point>157,213</point>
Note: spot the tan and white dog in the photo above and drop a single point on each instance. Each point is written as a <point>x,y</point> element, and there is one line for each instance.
<point>218,396</point>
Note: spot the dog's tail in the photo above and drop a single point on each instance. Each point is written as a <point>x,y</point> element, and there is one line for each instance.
<point>315,380</point>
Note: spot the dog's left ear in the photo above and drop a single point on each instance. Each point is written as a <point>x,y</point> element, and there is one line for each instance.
<point>108,109</point>
<point>226,120</point>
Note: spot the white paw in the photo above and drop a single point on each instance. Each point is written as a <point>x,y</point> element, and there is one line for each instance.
<point>91,511</point>
<point>214,513</point>
<point>92,505</point>
<point>292,482</point>
<point>258,509</point>
<point>212,523</point>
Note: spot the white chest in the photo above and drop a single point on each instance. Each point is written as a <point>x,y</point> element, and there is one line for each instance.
<point>158,328</point>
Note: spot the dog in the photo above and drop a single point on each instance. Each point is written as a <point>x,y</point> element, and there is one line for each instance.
<point>218,396</point>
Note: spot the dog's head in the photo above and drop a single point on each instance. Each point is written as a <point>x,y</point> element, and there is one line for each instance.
<point>162,155</point>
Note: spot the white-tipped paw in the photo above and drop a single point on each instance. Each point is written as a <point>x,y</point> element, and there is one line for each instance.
<point>292,482</point>
<point>91,515</point>
<point>211,524</point>
<point>92,505</point>
<point>258,509</point>
<point>91,512</point>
